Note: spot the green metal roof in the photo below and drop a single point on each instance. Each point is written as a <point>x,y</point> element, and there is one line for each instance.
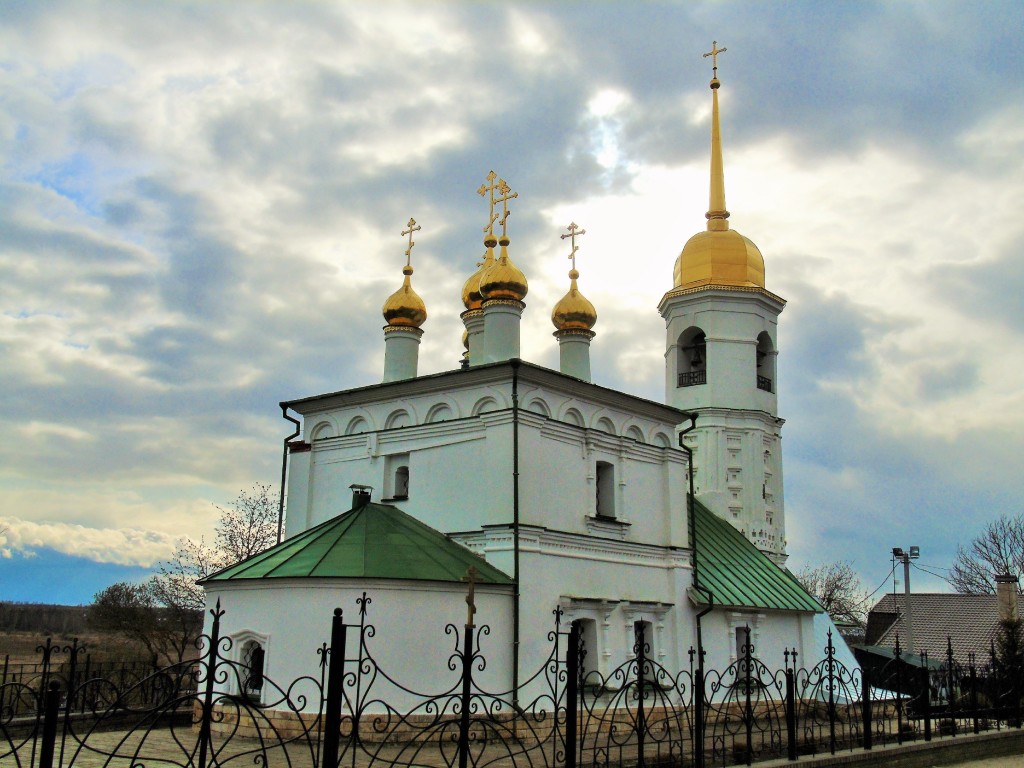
<point>737,573</point>
<point>375,541</point>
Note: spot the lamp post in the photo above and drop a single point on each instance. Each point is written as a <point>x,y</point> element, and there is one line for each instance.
<point>906,556</point>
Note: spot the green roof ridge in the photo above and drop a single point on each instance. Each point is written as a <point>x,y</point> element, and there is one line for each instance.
<point>374,541</point>
<point>737,573</point>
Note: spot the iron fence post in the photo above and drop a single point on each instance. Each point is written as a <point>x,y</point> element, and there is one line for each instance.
<point>641,716</point>
<point>974,691</point>
<point>830,655</point>
<point>207,704</point>
<point>899,693</point>
<point>572,689</point>
<point>335,682</point>
<point>467,678</point>
<point>698,714</point>
<point>791,713</point>
<point>865,681</point>
<point>748,708</point>
<point>51,713</point>
<point>926,697</point>
<point>950,699</point>
<point>74,649</point>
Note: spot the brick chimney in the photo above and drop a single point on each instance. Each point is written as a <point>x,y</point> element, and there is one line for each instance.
<point>1006,592</point>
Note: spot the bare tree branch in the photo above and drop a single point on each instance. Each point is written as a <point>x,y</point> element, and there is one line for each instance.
<point>997,550</point>
<point>164,613</point>
<point>839,590</point>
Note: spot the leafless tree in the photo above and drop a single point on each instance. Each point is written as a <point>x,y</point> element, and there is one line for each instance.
<point>998,550</point>
<point>839,590</point>
<point>164,612</point>
<point>168,632</point>
<point>245,528</point>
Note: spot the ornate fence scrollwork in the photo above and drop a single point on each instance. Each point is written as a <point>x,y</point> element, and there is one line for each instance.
<point>830,707</point>
<point>352,711</point>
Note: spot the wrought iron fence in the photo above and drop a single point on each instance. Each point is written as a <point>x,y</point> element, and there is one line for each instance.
<point>343,715</point>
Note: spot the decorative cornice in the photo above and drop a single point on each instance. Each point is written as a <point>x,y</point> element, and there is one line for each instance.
<point>574,332</point>
<point>721,287</point>
<point>521,305</point>
<point>403,329</point>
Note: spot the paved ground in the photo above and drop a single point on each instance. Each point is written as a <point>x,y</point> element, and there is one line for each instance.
<point>163,750</point>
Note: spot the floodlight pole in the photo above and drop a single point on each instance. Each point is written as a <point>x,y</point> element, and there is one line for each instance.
<point>906,556</point>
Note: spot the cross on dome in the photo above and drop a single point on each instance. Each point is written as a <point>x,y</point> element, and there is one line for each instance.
<point>713,53</point>
<point>484,189</point>
<point>413,227</point>
<point>505,194</point>
<point>574,232</point>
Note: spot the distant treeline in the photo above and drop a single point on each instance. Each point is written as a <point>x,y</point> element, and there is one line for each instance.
<point>42,618</point>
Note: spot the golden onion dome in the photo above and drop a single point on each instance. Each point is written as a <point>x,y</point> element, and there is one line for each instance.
<point>719,257</point>
<point>404,308</point>
<point>504,280</point>
<point>471,298</point>
<point>573,311</point>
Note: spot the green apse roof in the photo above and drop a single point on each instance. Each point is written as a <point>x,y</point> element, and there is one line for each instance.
<point>737,573</point>
<point>375,541</point>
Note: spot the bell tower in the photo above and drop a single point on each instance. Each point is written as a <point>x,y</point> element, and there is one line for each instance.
<point>720,362</point>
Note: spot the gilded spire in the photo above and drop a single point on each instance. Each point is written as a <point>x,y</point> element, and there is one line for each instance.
<point>404,308</point>
<point>718,255</point>
<point>717,213</point>
<point>573,311</point>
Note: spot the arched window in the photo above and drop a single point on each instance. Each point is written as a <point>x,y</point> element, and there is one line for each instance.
<point>396,477</point>
<point>693,358</point>
<point>765,363</point>
<point>588,637</point>
<point>253,656</point>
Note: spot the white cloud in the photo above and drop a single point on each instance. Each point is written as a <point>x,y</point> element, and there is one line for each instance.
<point>123,546</point>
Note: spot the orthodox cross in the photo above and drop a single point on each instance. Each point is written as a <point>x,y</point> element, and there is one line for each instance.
<point>713,53</point>
<point>484,189</point>
<point>470,599</point>
<point>506,195</point>
<point>413,227</point>
<point>574,232</point>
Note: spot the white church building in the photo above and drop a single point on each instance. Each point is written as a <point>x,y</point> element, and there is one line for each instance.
<point>562,493</point>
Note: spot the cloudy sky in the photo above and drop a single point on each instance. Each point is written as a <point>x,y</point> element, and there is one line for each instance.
<point>200,208</point>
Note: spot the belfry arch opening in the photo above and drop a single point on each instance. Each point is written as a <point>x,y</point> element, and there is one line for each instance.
<point>765,362</point>
<point>693,358</point>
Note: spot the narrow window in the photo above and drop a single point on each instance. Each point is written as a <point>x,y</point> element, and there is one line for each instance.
<point>765,363</point>
<point>252,664</point>
<point>605,489</point>
<point>588,650</point>
<point>396,477</point>
<point>402,483</point>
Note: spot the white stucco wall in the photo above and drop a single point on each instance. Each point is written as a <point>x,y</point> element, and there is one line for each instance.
<point>409,644</point>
